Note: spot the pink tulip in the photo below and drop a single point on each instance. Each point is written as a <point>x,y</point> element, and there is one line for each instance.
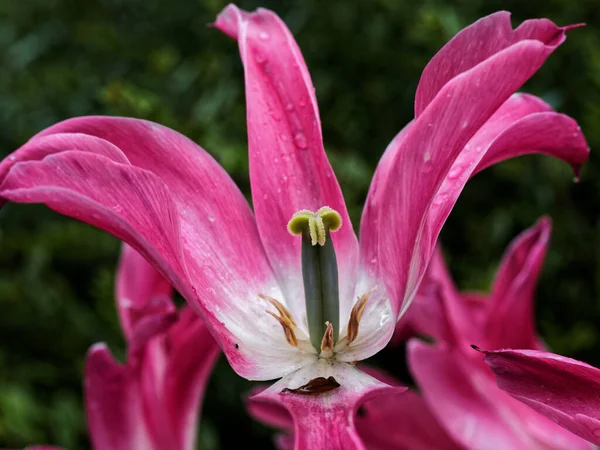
<point>565,390</point>
<point>153,401</point>
<point>243,272</point>
<point>456,384</point>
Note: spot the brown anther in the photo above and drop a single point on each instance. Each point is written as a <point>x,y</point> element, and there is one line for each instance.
<point>355,315</point>
<point>290,336</point>
<point>283,311</point>
<point>327,342</point>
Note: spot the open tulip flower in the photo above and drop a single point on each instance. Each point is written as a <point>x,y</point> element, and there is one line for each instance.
<point>457,385</point>
<point>153,401</point>
<point>565,390</point>
<point>287,290</point>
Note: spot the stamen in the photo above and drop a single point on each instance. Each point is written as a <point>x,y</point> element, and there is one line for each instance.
<point>355,315</point>
<point>283,311</point>
<point>319,269</point>
<point>327,342</point>
<point>290,336</point>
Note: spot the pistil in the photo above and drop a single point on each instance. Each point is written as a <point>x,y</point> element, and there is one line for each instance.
<point>319,270</point>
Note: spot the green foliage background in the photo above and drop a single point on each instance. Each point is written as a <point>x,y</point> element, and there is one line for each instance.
<point>156,59</point>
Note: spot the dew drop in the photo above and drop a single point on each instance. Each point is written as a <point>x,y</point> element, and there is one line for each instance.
<point>454,173</point>
<point>374,261</point>
<point>283,137</point>
<point>427,156</point>
<point>211,218</point>
<point>300,140</point>
<point>465,124</point>
<point>264,35</point>
<point>302,102</point>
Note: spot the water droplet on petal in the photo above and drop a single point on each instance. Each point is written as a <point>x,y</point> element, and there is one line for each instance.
<point>264,35</point>
<point>454,173</point>
<point>300,140</point>
<point>302,102</point>
<point>427,156</point>
<point>211,218</point>
<point>283,137</point>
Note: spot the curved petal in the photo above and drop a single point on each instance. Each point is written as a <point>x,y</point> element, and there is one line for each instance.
<point>427,314</point>
<point>325,420</point>
<point>473,411</point>
<point>186,377</point>
<point>563,389</point>
<point>183,213</point>
<point>476,43</point>
<point>434,176</point>
<point>289,170</point>
<point>512,296</point>
<point>113,404</point>
<point>140,289</point>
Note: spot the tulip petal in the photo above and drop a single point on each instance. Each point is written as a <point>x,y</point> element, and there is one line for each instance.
<point>427,314</point>
<point>476,414</point>
<point>562,389</point>
<point>512,296</point>
<point>186,377</point>
<point>401,421</point>
<point>140,289</point>
<point>183,213</point>
<point>113,404</point>
<point>289,170</point>
<point>325,420</point>
<point>436,162</point>
<point>476,43</point>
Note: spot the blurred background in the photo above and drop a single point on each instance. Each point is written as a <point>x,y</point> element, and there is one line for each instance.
<point>156,59</point>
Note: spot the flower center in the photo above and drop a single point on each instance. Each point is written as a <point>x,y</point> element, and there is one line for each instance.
<point>319,272</point>
<point>320,277</point>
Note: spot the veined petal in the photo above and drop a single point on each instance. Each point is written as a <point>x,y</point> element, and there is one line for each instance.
<point>289,170</point>
<point>475,44</point>
<point>436,162</point>
<point>512,296</point>
<point>326,420</point>
<point>140,289</point>
<point>113,403</point>
<point>477,415</point>
<point>562,389</point>
<point>173,203</point>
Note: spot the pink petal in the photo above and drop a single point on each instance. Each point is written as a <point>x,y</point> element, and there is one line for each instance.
<point>401,421</point>
<point>514,288</point>
<point>427,314</point>
<point>140,289</point>
<point>289,170</point>
<point>324,420</point>
<point>191,360</point>
<point>113,404</point>
<point>477,43</point>
<point>563,389</point>
<point>464,399</point>
<point>428,152</point>
<point>178,208</point>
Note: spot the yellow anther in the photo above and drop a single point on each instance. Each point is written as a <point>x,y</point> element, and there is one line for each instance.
<point>315,224</point>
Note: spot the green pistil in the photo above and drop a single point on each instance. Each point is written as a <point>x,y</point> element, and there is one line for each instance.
<point>319,269</point>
